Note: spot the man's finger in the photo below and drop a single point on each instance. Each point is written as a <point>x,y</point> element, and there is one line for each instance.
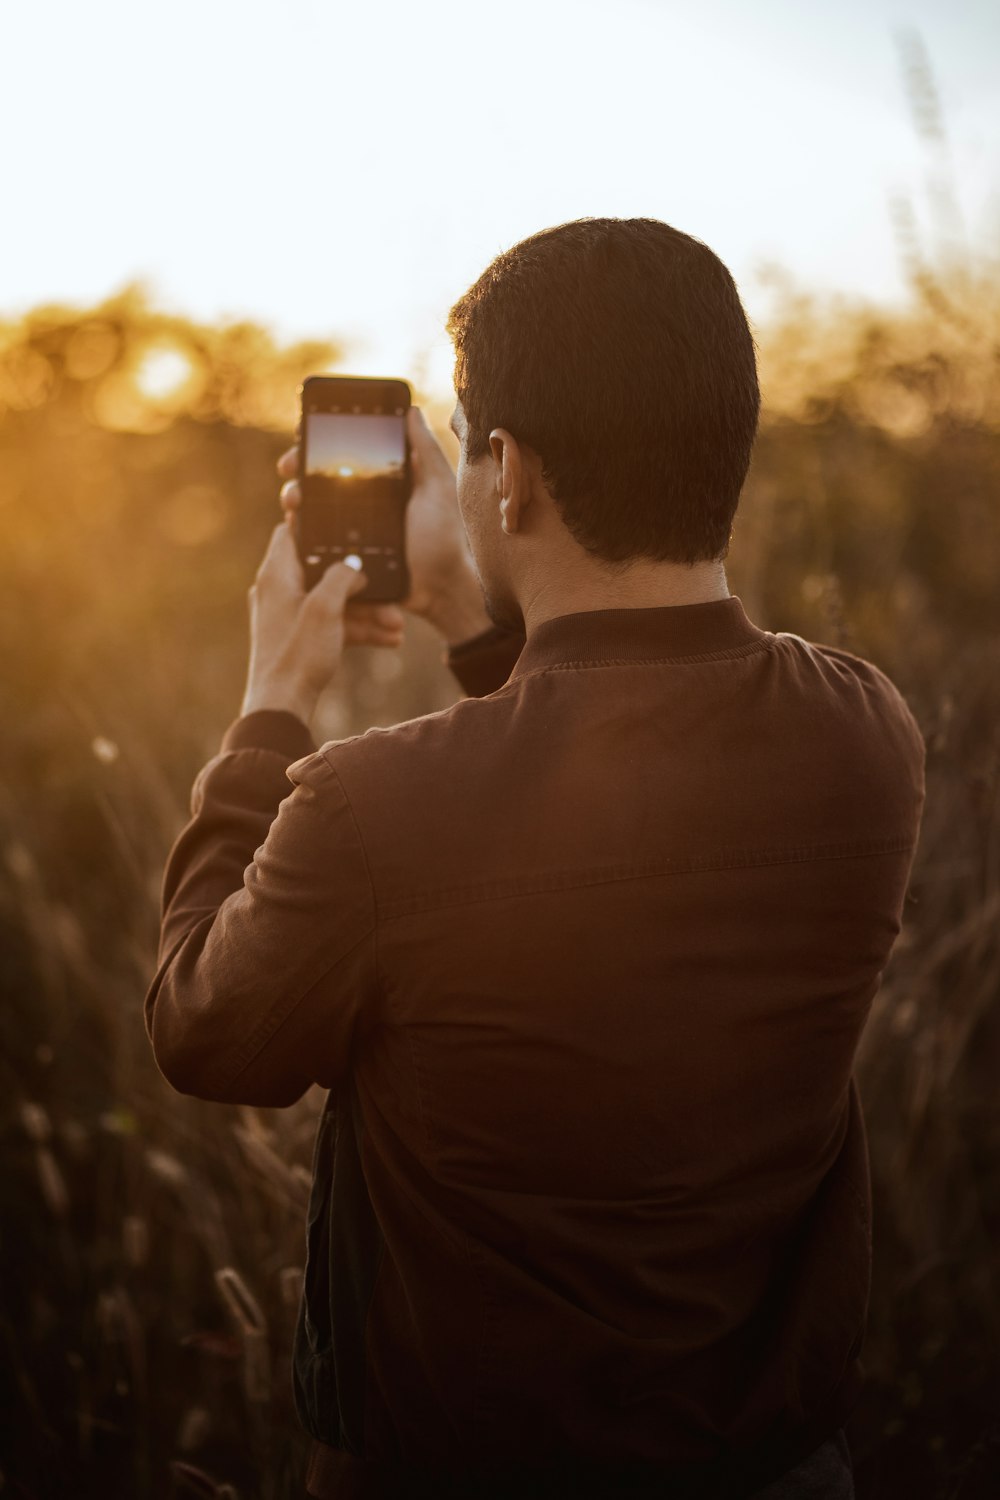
<point>290,495</point>
<point>336,586</point>
<point>363,621</point>
<point>386,616</point>
<point>288,463</point>
<point>281,560</point>
<point>365,633</point>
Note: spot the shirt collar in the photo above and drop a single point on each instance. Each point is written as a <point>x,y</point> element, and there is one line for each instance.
<point>673,632</point>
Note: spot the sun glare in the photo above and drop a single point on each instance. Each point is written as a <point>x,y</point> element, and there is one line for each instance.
<point>162,372</point>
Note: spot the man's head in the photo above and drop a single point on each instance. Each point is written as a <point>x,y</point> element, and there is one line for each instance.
<point>612,363</point>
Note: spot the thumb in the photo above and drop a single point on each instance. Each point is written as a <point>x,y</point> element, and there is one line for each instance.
<point>336,586</point>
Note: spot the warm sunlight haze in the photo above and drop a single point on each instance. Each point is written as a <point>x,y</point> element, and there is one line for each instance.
<point>204,205</point>
<point>344,169</point>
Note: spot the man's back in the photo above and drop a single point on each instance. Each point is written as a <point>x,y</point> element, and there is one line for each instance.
<point>583,964</point>
<point>596,1181</point>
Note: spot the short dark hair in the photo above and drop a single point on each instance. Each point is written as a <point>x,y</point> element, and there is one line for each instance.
<point>619,351</point>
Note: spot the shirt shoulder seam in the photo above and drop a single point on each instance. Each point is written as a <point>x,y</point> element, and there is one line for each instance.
<point>749,648</point>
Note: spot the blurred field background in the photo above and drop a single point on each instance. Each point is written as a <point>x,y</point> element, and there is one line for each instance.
<point>152,1245</point>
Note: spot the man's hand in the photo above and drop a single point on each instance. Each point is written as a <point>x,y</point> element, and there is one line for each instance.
<point>296,638</point>
<point>443,586</point>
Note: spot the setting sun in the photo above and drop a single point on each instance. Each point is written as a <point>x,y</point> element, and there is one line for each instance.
<point>779,134</point>
<point>163,372</point>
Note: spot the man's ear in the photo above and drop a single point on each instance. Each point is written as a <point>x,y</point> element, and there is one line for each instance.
<point>511,478</point>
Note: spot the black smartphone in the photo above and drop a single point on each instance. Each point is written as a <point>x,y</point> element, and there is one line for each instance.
<point>355,477</point>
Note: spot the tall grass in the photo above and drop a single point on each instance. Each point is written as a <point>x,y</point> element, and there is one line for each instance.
<point>152,1246</point>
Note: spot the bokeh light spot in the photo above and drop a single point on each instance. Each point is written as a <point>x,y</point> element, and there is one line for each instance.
<point>163,372</point>
<point>105,750</point>
<point>193,515</point>
<point>91,350</point>
<point>26,380</point>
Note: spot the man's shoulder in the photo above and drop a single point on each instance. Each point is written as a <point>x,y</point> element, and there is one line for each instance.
<point>441,744</point>
<point>858,666</point>
<point>855,675</point>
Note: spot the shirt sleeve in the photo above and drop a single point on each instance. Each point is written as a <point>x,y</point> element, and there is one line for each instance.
<point>267,955</point>
<point>485,661</point>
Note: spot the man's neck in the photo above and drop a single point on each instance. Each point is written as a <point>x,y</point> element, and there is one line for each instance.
<point>643,585</point>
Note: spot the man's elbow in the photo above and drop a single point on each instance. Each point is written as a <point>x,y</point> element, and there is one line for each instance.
<point>187,1067</point>
<point>193,1068</point>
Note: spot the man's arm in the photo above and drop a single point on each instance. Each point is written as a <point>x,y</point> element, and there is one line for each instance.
<point>266,951</point>
<point>266,957</point>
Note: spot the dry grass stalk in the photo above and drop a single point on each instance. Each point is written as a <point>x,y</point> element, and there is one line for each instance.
<point>167,1167</point>
<point>36,1122</point>
<point>199,1483</point>
<point>52,1182</point>
<point>248,1317</point>
<point>119,1323</point>
<point>75,1138</point>
<point>135,1239</point>
<point>290,1281</point>
<point>284,1183</point>
<point>240,1300</point>
<point>196,1424</point>
<point>20,862</point>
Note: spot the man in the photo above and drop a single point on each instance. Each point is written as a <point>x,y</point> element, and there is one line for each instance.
<point>583,960</point>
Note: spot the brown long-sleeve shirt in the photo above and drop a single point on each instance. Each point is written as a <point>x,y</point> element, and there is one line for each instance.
<point>584,963</point>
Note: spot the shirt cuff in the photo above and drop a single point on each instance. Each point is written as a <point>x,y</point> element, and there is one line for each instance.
<point>485,661</point>
<point>270,729</point>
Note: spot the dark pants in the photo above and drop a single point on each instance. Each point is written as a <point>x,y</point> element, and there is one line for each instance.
<point>824,1474</point>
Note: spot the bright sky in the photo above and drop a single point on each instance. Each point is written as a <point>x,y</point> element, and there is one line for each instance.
<point>348,169</point>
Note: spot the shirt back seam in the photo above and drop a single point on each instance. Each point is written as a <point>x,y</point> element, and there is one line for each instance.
<point>398,907</point>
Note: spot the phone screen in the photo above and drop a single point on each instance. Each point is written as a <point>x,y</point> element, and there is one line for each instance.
<point>355,482</point>
<point>356,452</point>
